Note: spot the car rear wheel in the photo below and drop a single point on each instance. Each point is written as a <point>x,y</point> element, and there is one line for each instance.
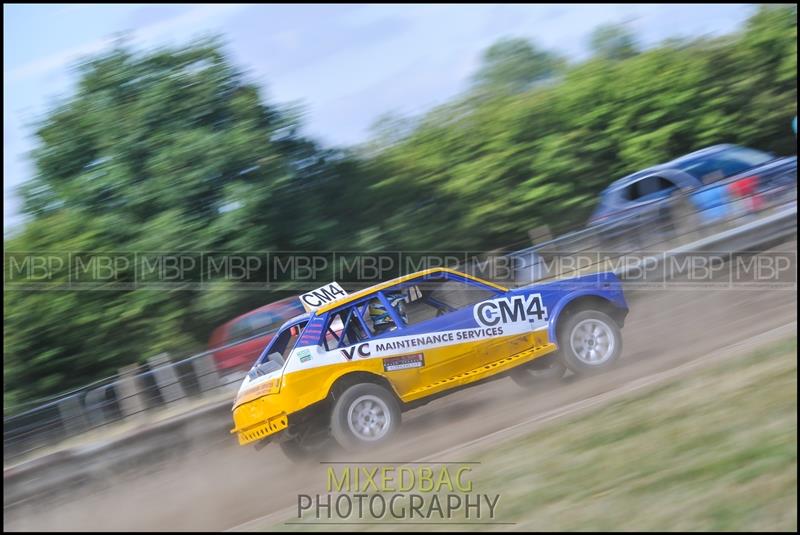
<point>589,342</point>
<point>365,415</point>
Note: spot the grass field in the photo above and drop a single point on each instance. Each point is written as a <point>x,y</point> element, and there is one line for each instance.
<point>715,450</point>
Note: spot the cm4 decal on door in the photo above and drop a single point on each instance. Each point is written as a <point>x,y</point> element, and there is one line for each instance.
<point>504,310</point>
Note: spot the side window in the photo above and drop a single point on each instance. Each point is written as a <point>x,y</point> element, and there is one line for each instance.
<point>418,309</point>
<point>456,294</point>
<point>431,298</point>
<point>280,347</point>
<point>667,184</point>
<point>628,193</point>
<point>345,328</point>
<point>378,317</point>
<point>653,184</point>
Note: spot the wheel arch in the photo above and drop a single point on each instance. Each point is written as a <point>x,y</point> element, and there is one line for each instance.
<point>584,301</point>
<point>350,378</point>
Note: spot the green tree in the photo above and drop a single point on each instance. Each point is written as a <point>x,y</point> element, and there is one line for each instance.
<point>514,64</point>
<point>172,151</point>
<point>613,42</point>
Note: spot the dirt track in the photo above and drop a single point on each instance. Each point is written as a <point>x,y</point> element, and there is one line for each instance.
<point>219,486</point>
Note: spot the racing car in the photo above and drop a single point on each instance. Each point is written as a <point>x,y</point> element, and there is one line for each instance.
<point>348,368</point>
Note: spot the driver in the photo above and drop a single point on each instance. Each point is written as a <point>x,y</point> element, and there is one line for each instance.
<point>381,318</point>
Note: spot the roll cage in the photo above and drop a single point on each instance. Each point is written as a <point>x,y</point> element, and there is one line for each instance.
<point>355,319</point>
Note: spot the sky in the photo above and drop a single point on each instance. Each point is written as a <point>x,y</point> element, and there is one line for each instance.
<point>346,64</point>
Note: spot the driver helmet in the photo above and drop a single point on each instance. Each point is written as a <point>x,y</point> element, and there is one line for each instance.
<point>380,317</point>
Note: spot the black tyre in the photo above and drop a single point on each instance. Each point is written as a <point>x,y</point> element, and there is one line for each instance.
<point>307,451</point>
<point>364,415</point>
<point>589,342</point>
<point>542,371</point>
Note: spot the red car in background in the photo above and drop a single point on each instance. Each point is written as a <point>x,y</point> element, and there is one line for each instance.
<point>242,339</point>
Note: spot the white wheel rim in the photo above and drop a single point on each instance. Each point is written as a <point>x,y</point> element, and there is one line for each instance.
<point>369,418</point>
<point>592,342</point>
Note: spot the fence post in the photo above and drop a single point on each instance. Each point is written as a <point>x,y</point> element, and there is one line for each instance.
<point>96,401</point>
<point>166,378</point>
<point>129,394</point>
<point>540,234</point>
<point>72,415</point>
<point>206,372</point>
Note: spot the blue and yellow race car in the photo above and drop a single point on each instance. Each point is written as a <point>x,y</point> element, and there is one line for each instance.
<point>349,367</point>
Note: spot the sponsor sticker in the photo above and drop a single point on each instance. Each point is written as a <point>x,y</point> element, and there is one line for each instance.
<point>305,355</point>
<point>403,362</point>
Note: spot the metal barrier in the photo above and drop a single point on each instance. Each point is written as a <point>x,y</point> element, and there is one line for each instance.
<point>131,392</point>
<point>655,226</point>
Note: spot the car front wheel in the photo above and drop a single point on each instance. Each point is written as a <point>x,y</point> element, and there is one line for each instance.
<point>590,342</point>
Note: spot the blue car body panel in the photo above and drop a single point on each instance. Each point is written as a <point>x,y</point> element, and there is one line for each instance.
<point>555,296</point>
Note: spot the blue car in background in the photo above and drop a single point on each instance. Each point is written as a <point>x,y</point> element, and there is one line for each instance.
<point>712,178</point>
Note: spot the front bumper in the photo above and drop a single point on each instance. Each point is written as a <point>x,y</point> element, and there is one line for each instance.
<point>259,418</point>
